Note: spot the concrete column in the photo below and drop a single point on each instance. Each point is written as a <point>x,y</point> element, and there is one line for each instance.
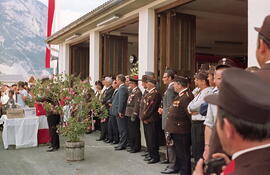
<point>146,46</point>
<point>63,58</point>
<point>146,40</point>
<point>94,56</point>
<point>257,11</point>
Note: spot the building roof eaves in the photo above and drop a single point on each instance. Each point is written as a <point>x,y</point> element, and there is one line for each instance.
<point>100,9</point>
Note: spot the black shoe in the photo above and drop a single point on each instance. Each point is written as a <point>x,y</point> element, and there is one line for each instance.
<point>148,156</point>
<point>134,151</point>
<point>119,148</point>
<point>152,161</point>
<point>100,139</point>
<point>147,159</point>
<point>52,150</point>
<point>115,142</point>
<point>164,161</point>
<point>145,154</point>
<point>129,149</point>
<point>169,171</point>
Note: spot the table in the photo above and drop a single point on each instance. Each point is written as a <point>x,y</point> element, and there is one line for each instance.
<point>22,132</point>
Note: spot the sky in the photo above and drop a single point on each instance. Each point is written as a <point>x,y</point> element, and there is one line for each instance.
<point>66,11</point>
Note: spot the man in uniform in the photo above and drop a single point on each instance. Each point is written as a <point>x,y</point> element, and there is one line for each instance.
<point>167,100</point>
<point>243,123</point>
<point>151,119</point>
<point>132,112</point>
<point>178,126</point>
<point>263,50</point>
<point>143,80</point>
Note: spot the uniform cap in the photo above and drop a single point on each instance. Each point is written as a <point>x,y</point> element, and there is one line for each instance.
<point>225,62</point>
<point>265,29</point>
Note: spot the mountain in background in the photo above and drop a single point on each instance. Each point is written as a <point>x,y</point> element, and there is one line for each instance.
<point>22,34</point>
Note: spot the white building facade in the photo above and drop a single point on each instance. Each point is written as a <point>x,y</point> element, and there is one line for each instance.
<point>115,13</point>
<point>180,34</point>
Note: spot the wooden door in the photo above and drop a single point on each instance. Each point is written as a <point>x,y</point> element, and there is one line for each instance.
<point>79,61</point>
<point>176,43</point>
<point>114,55</point>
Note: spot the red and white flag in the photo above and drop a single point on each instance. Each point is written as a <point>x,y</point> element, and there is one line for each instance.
<point>51,8</point>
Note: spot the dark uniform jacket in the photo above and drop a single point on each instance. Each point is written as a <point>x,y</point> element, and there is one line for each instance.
<point>255,162</point>
<point>133,103</point>
<point>179,120</point>
<point>119,102</point>
<point>142,104</point>
<point>264,72</point>
<point>107,97</point>
<point>167,100</point>
<point>150,107</point>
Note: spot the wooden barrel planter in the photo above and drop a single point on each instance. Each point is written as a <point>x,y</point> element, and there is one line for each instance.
<point>75,151</point>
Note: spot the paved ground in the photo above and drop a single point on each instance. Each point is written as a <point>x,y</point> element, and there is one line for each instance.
<point>100,159</point>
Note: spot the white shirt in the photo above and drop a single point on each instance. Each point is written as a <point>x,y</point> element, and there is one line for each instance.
<point>182,91</point>
<point>4,98</point>
<point>22,93</point>
<point>107,87</point>
<point>211,115</point>
<point>195,104</point>
<point>115,91</point>
<point>171,84</point>
<point>122,85</point>
<point>237,154</point>
<point>103,89</point>
<point>196,91</point>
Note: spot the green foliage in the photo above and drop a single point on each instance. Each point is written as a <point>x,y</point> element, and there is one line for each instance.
<point>30,102</point>
<point>70,90</point>
<point>100,110</point>
<point>73,129</point>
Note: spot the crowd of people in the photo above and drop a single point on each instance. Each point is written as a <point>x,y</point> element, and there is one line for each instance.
<point>16,94</point>
<point>226,113</point>
<point>225,116</point>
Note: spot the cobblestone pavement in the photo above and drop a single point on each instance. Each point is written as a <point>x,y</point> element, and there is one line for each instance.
<point>100,159</point>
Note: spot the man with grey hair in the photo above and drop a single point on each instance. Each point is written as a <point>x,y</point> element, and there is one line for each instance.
<point>105,100</point>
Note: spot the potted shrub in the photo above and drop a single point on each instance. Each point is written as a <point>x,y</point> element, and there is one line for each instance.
<point>76,98</point>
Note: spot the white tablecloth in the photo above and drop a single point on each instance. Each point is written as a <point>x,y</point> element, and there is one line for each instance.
<point>22,132</point>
